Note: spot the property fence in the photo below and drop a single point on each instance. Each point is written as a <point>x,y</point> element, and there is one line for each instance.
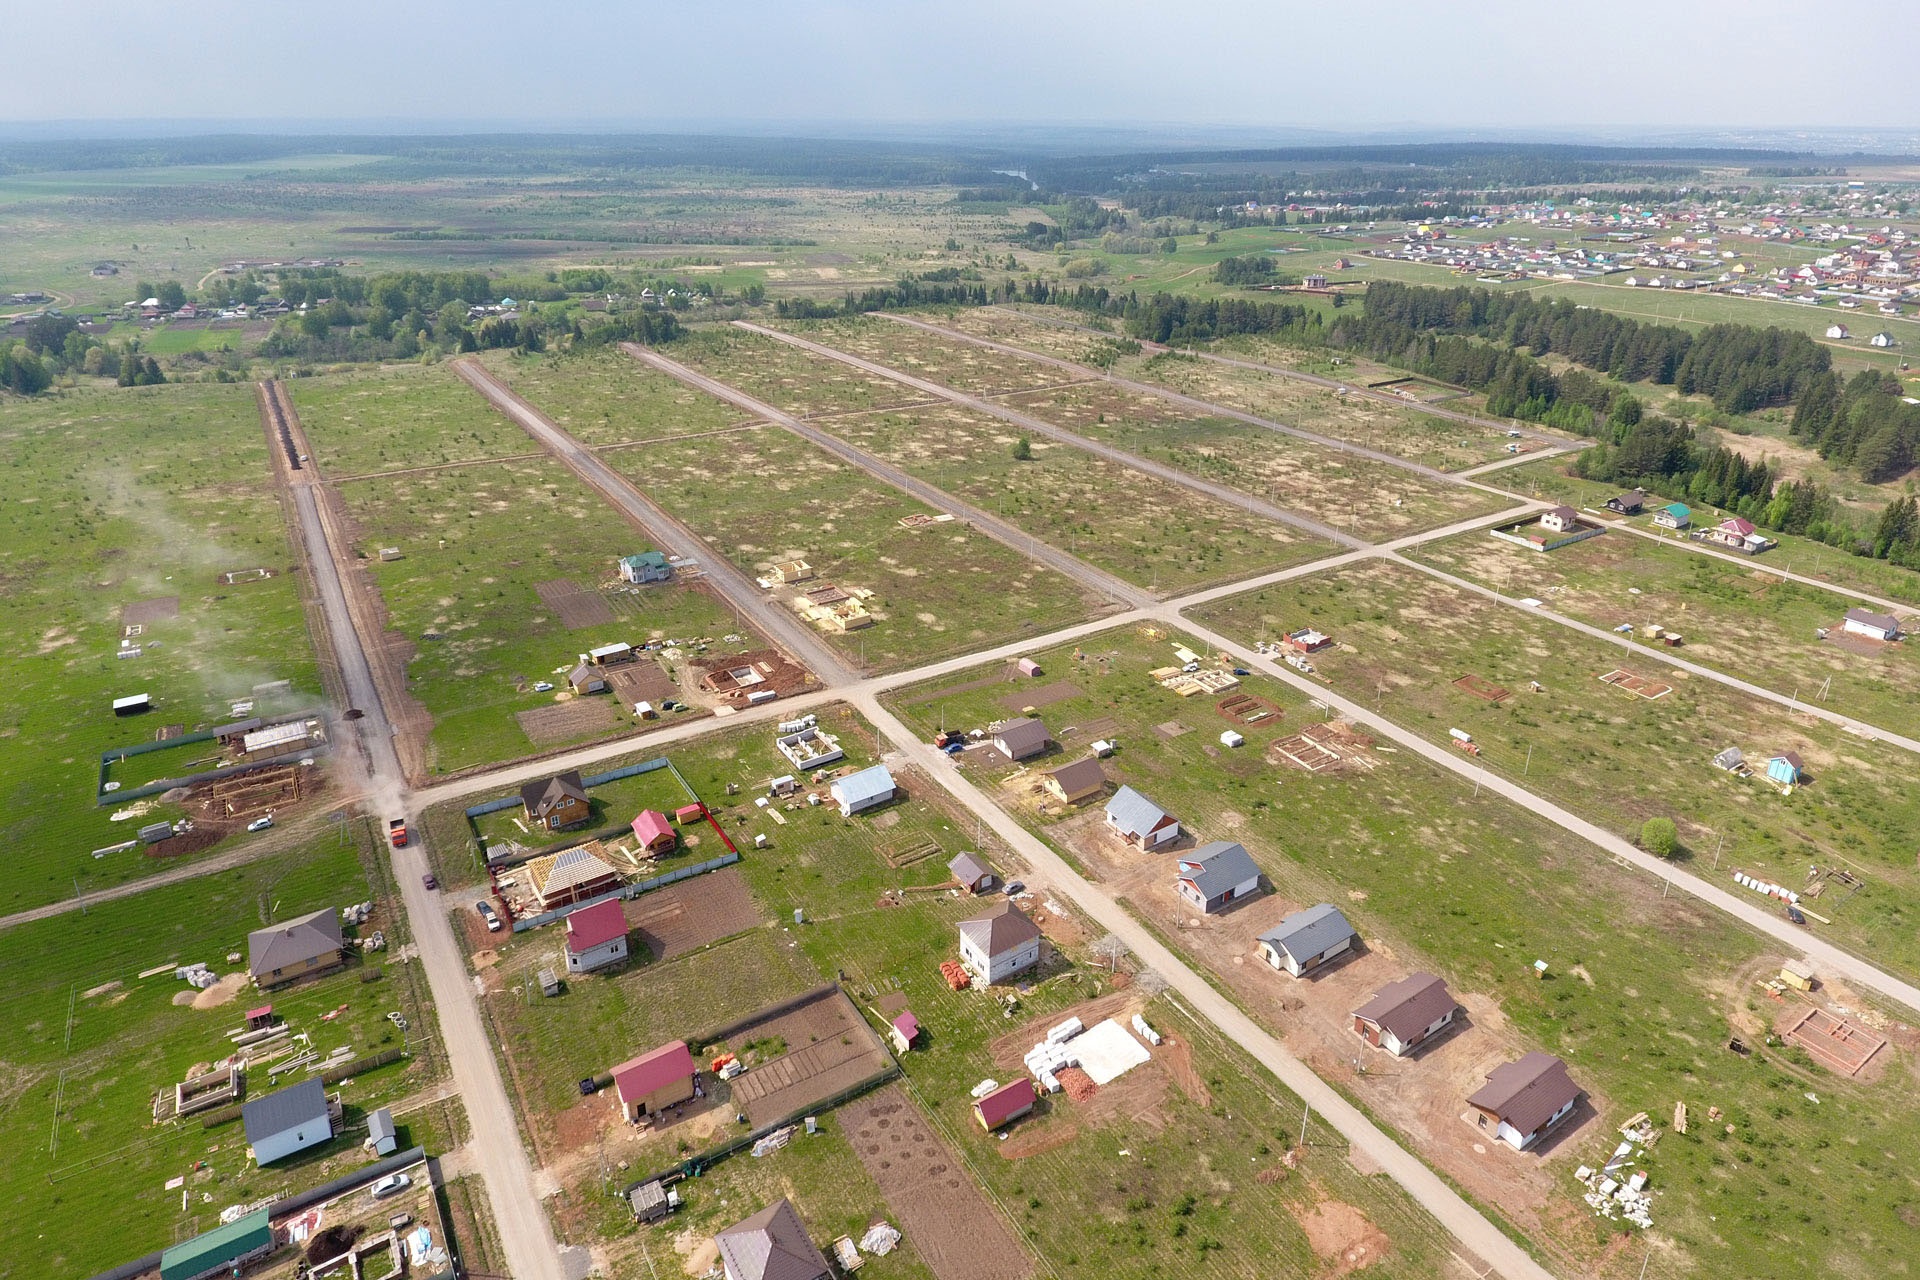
<point>522,923</point>
<point>498,803</point>
<point>116,755</point>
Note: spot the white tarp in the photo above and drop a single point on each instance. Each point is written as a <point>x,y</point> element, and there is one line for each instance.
<point>1107,1052</point>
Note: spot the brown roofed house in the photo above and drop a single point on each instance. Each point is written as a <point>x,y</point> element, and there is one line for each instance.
<point>1021,737</point>
<point>557,803</point>
<point>1404,1014</point>
<point>1522,1100</point>
<point>771,1245</point>
<point>999,944</point>
<point>1073,783</point>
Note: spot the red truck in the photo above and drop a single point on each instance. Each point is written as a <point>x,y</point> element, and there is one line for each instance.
<point>397,833</point>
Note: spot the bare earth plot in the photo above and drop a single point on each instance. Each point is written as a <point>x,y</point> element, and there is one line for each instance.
<point>1374,500</point>
<point>763,496</point>
<point>602,398</point>
<point>1140,528</point>
<point>822,1046</point>
<point>687,916</point>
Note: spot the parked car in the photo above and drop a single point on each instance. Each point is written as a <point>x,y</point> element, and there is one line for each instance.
<point>429,881</point>
<point>260,824</point>
<point>391,1185</point>
<point>545,686</point>
<point>488,914</point>
<point>1015,888</point>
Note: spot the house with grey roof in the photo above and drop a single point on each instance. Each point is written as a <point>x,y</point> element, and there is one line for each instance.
<point>287,1121</point>
<point>1216,874</point>
<point>1307,939</point>
<point>1522,1100</point>
<point>771,1245</point>
<point>1139,821</point>
<point>867,789</point>
<point>973,874</point>
<point>1021,738</point>
<point>1406,1013</point>
<point>999,944</point>
<point>1874,626</point>
<point>296,948</point>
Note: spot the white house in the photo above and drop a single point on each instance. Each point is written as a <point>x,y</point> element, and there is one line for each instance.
<point>867,789</point>
<point>1874,626</point>
<point>995,946</point>
<point>1838,331</point>
<point>1307,939</point>
<point>596,936</point>
<point>1216,874</point>
<point>290,1120</point>
<point>1522,1100</point>
<point>1560,520</point>
<point>1404,1014</point>
<point>1881,339</point>
<point>1139,821</point>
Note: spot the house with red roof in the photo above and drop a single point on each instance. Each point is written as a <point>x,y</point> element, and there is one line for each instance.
<point>655,833</point>
<point>596,936</point>
<point>1004,1105</point>
<point>903,1030</point>
<point>654,1081</point>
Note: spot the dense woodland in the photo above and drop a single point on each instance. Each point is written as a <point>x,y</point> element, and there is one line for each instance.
<point>1867,424</point>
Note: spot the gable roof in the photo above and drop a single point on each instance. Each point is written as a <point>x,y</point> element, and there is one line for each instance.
<point>1310,932</point>
<point>967,869</point>
<point>287,1109</point>
<point>1081,775</point>
<point>1003,929</point>
<point>650,826</point>
<point>874,781</point>
<point>566,870</point>
<point>1791,757</point>
<point>1883,621</point>
<point>771,1245</point>
<point>1022,736</point>
<point>1632,499</point>
<point>1737,525</point>
<point>1678,510</point>
<point>217,1247</point>
<point>1132,813</point>
<point>1526,1093</point>
<point>294,941</point>
<point>1217,867</point>
<point>654,1069</point>
<point>539,797</point>
<point>1409,1006</point>
<point>596,926</point>
<point>1006,1102</point>
<point>1563,513</point>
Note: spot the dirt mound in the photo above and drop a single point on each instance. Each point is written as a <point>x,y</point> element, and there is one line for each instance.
<point>221,992</point>
<point>1343,1236</point>
<point>1076,1084</point>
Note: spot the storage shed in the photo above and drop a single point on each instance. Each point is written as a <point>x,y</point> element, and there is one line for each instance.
<point>1004,1105</point>
<point>225,1250</point>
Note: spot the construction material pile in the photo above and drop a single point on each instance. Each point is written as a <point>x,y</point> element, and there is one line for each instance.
<point>1614,1193</point>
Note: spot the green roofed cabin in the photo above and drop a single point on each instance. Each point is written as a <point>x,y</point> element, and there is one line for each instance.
<point>222,1250</point>
<point>648,566</point>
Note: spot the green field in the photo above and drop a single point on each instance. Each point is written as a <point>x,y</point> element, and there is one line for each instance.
<point>91,1043</point>
<point>606,397</point>
<point>397,418</point>
<point>1644,995</point>
<point>122,497</point>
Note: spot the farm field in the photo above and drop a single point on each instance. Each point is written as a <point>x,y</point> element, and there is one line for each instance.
<point>1145,530</point>
<point>1548,481</point>
<point>1641,998</point>
<point>1735,618</point>
<point>91,1044</point>
<point>397,418</point>
<point>1195,1128</point>
<point>1614,756</point>
<point>476,544</point>
<point>605,397</point>
<point>762,496</point>
<point>128,510</point>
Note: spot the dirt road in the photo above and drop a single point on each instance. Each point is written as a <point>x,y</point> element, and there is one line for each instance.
<point>1098,581</point>
<point>753,604</point>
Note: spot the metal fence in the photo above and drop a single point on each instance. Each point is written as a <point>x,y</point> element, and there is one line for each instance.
<point>495,805</point>
<point>522,923</point>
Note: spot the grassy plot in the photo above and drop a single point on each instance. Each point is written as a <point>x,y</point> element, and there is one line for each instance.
<point>1644,994</point>
<point>960,365</point>
<point>762,496</point>
<point>606,397</point>
<point>475,542</point>
<point>1548,480</point>
<point>391,419</point>
<point>785,376</point>
<point>119,499</point>
<point>1614,756</point>
<point>1373,500</point>
<point>1737,618</point>
<point>90,1044</point>
<point>1145,530</point>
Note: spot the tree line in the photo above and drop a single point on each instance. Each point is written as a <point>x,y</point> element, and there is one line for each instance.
<point>1866,423</point>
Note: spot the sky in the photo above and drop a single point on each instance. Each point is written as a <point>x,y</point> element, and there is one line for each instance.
<point>1650,67</point>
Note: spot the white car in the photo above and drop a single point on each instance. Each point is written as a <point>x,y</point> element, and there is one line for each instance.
<point>260,824</point>
<point>545,686</point>
<point>391,1185</point>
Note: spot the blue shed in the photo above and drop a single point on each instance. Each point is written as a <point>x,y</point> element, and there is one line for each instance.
<point>1785,768</point>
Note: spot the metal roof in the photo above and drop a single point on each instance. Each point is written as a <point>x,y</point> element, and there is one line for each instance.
<point>218,1247</point>
<point>1308,933</point>
<point>1004,929</point>
<point>1079,777</point>
<point>653,1070</point>
<point>1006,1102</point>
<point>595,926</point>
<point>1217,867</point>
<point>1526,1093</point>
<point>1881,621</point>
<point>290,1108</point>
<point>771,1245</point>
<point>1022,737</point>
<point>380,1124</point>
<point>967,869</point>
<point>868,784</point>
<point>1133,813</point>
<point>294,941</point>
<point>1409,1006</point>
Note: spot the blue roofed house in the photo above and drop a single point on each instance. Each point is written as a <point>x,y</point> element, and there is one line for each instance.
<point>867,789</point>
<point>287,1121</point>
<point>1307,939</point>
<point>1216,874</point>
<point>648,566</point>
<point>1139,821</point>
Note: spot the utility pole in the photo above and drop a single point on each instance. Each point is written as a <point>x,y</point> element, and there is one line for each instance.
<point>1525,768</point>
<point>1303,1123</point>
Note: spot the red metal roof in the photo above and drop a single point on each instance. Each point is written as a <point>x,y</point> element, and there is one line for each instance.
<point>596,925</point>
<point>1006,1102</point>
<point>652,1071</point>
<point>261,1012</point>
<point>650,826</point>
<point>907,1025</point>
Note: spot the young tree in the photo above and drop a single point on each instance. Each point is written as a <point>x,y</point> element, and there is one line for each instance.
<point>1660,836</point>
<point>1023,450</point>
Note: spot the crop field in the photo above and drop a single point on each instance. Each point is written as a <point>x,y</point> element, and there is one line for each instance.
<point>1548,481</point>
<point>607,398</point>
<point>786,377</point>
<point>1373,500</point>
<point>474,544</point>
<point>1614,758</point>
<point>398,418</point>
<point>763,495</point>
<point>1196,1128</point>
<point>1140,528</point>
<point>1735,618</point>
<point>90,1044</point>
<point>1642,994</point>
<point>129,505</point>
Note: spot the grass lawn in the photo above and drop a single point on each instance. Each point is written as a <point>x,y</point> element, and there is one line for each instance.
<point>1474,889</point>
<point>1610,755</point>
<point>1737,618</point>
<point>91,1043</point>
<point>1147,531</point>
<point>614,804</point>
<point>1547,480</point>
<point>120,497</point>
<point>391,418</point>
<point>603,397</point>
<point>474,542</point>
